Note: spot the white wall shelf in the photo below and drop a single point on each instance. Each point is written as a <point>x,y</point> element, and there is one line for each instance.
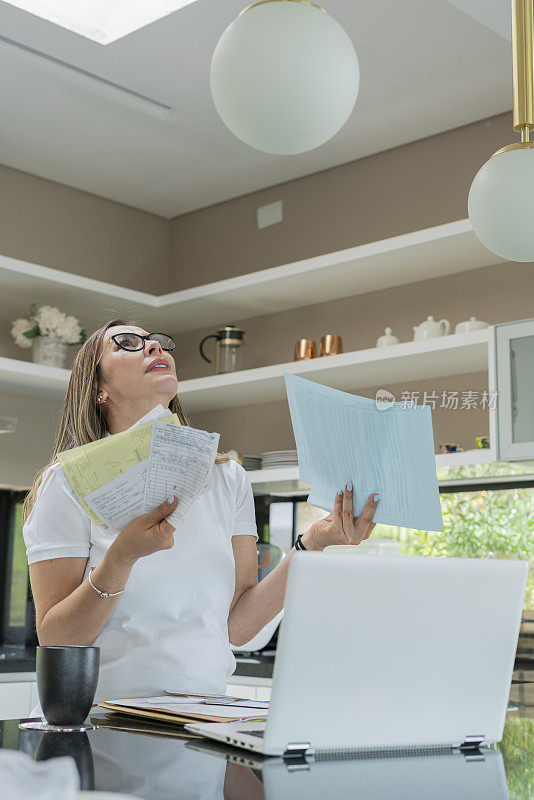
<point>286,480</point>
<point>467,458</point>
<point>353,371</point>
<point>419,255</point>
<point>281,481</point>
<point>25,377</point>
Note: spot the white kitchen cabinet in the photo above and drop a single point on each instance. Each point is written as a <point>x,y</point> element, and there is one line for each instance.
<point>34,697</point>
<point>250,687</point>
<point>514,357</point>
<point>242,690</point>
<point>15,699</point>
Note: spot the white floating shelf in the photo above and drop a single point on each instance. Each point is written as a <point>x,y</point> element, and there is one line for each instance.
<point>429,253</point>
<point>466,459</point>
<point>25,377</point>
<point>286,480</point>
<point>282,480</point>
<point>352,371</point>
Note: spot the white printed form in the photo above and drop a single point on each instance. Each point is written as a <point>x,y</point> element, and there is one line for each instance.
<point>341,437</point>
<point>120,500</point>
<point>107,476</point>
<point>179,463</point>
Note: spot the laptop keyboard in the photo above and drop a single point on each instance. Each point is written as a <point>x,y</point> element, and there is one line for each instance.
<point>259,734</point>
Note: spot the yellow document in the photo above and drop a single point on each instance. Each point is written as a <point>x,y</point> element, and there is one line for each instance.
<point>91,466</point>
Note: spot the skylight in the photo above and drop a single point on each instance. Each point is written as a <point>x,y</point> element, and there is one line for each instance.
<point>103,21</point>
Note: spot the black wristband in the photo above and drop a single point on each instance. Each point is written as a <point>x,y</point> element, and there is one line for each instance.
<point>298,543</point>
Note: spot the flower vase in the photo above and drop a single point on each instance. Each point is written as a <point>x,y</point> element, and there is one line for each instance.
<point>49,351</point>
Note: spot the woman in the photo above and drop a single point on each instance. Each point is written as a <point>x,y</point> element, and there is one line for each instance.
<point>180,598</point>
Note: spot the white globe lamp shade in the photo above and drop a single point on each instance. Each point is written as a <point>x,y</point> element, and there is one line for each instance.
<point>284,77</point>
<point>501,203</point>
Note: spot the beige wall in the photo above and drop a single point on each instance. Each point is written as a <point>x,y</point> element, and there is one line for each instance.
<point>419,185</point>
<point>496,294</point>
<point>24,452</point>
<point>51,224</point>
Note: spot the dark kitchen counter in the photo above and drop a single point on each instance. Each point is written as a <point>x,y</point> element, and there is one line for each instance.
<point>255,667</point>
<point>12,660</point>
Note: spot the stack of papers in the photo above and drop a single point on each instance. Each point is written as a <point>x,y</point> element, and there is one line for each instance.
<point>341,437</point>
<point>120,477</point>
<point>184,709</point>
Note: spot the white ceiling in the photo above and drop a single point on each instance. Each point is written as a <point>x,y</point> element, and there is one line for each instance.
<point>426,66</point>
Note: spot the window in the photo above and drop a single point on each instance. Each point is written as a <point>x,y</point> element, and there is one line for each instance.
<point>103,21</point>
<point>16,606</point>
<point>480,523</point>
<point>481,519</point>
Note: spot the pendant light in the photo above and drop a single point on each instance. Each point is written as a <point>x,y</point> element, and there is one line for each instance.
<point>284,76</point>
<point>501,198</point>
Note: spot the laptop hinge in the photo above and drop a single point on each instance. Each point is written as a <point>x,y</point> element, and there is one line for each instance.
<point>297,749</point>
<point>472,743</point>
<point>295,755</point>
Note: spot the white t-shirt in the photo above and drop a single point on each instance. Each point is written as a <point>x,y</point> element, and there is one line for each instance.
<point>169,628</point>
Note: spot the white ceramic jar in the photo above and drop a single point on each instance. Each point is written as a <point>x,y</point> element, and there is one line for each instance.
<point>387,338</point>
<point>471,324</point>
<point>429,329</point>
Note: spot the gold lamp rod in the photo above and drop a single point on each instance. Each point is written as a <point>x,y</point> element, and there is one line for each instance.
<point>523,66</point>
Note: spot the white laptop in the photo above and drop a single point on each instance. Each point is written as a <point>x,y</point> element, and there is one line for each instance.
<point>388,653</point>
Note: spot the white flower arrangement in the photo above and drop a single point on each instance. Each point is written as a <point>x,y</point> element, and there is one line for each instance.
<point>47,321</point>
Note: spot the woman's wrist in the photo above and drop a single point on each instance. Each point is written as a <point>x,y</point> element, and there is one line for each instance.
<point>119,557</point>
<point>112,573</point>
<point>310,541</point>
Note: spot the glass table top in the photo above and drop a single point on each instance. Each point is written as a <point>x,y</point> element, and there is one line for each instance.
<point>151,764</point>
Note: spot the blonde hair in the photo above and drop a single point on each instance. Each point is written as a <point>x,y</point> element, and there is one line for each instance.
<point>82,420</point>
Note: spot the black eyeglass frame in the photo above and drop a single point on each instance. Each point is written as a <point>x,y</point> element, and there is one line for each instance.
<point>143,340</point>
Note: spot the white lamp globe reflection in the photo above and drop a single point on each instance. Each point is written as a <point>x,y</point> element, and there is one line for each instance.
<point>284,76</point>
<point>501,203</point>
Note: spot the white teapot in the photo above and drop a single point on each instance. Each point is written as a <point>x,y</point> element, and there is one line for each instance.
<point>429,329</point>
<point>471,324</point>
<point>387,338</point>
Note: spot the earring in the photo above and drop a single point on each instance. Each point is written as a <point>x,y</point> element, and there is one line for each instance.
<point>99,398</point>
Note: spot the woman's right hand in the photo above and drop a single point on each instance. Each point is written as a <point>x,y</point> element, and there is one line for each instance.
<point>146,534</point>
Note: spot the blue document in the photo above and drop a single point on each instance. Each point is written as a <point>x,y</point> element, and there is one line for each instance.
<point>341,437</point>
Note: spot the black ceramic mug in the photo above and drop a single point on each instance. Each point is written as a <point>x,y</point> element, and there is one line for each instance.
<point>66,681</point>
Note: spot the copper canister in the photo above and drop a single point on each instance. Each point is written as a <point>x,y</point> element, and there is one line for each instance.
<point>305,348</point>
<point>330,345</point>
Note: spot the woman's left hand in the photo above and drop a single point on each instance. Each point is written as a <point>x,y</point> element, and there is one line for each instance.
<point>342,527</point>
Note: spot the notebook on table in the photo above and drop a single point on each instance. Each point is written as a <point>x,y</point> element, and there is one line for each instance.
<point>392,655</point>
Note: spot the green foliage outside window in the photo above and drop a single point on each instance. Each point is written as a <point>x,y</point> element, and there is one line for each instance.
<point>19,575</point>
<point>517,748</point>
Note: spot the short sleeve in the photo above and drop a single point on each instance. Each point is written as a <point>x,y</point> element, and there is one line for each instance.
<point>245,514</point>
<point>57,526</point>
